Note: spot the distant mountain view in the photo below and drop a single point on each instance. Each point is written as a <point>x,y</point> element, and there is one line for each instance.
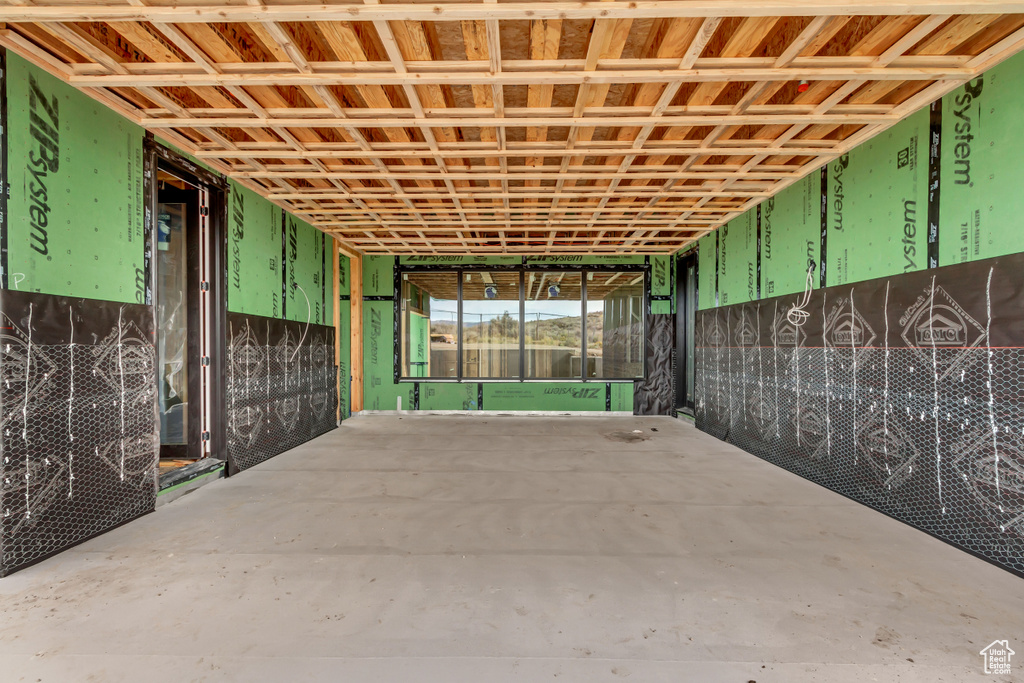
<point>505,328</point>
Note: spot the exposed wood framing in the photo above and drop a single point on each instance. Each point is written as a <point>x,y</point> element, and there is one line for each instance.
<point>514,127</point>
<point>336,270</point>
<point>355,276</point>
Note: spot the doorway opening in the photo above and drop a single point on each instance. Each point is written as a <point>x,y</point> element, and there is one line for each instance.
<point>686,318</point>
<point>188,298</point>
<point>178,327</point>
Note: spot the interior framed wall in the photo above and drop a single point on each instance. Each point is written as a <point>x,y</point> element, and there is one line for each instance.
<point>895,383</point>
<point>383,390</point>
<point>77,355</point>
<point>521,271</point>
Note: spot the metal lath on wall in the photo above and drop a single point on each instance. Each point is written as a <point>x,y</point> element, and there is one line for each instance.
<point>903,393</point>
<point>79,421</point>
<point>281,386</point>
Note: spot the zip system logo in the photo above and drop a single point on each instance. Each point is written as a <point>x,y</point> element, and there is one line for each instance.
<point>909,235</point>
<point>659,275</point>
<point>43,159</point>
<point>238,233</point>
<point>767,209</point>
<point>421,258</point>
<point>838,194</point>
<point>963,133</point>
<point>587,393</point>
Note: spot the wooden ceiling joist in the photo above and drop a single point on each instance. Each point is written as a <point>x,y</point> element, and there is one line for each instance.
<point>484,126</point>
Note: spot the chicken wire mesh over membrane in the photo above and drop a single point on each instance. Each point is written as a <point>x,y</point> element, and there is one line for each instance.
<point>905,394</point>
<point>80,436</point>
<point>78,403</point>
<point>281,387</point>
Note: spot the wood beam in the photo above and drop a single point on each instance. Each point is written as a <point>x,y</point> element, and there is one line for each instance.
<point>355,275</point>
<point>510,11</point>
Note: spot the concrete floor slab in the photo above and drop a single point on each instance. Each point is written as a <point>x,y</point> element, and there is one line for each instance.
<point>496,549</point>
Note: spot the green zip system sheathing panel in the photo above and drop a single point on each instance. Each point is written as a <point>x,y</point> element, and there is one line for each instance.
<point>877,200</point>
<point>378,275</point>
<point>75,205</point>
<point>557,396</point>
<point>439,396</point>
<point>343,290</point>
<point>707,267</point>
<point>430,260</point>
<point>661,284</point>
<point>878,205</point>
<point>621,259</point>
<point>254,254</point>
<point>379,389</point>
<point>344,269</point>
<point>982,204</point>
<point>305,265</point>
<point>345,364</point>
<point>790,235</point>
<point>737,260</point>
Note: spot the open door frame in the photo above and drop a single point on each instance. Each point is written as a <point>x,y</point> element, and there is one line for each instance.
<point>686,310</point>
<point>209,249</point>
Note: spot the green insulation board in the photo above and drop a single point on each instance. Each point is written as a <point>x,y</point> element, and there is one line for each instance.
<point>344,271</point>
<point>345,363</point>
<point>378,276</point>
<point>707,266</point>
<point>306,265</point>
<point>419,344</point>
<point>74,220</point>
<point>508,260</point>
<point>737,260</point>
<point>379,389</point>
<point>560,396</point>
<point>790,235</point>
<point>448,396</point>
<point>437,260</point>
<point>344,333</point>
<point>525,396</point>
<point>622,397</point>
<point>661,275</point>
<point>254,254</point>
<point>626,259</point>
<point>980,200</point>
<point>660,284</point>
<point>877,208</point>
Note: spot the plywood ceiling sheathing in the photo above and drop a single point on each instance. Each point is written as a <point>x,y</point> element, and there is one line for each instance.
<point>515,127</point>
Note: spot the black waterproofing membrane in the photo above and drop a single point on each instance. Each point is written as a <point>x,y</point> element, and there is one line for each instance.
<point>281,386</point>
<point>80,431</point>
<point>903,393</point>
<point>656,394</point>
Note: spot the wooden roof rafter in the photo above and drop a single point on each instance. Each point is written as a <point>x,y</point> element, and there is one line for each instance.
<point>484,126</point>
